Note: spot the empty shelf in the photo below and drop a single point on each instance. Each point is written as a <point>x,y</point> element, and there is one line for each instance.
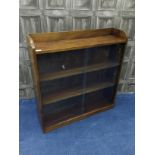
<point>55,97</point>
<point>76,71</point>
<point>50,125</point>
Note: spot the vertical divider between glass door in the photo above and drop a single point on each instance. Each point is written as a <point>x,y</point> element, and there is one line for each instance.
<point>84,78</point>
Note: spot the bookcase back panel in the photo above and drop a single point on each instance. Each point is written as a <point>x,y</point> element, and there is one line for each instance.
<point>115,53</point>
<point>98,99</point>
<point>62,85</point>
<point>97,55</point>
<point>101,76</point>
<point>103,54</point>
<point>62,61</point>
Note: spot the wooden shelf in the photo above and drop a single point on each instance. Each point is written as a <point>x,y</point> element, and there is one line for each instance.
<point>55,97</point>
<point>76,71</point>
<point>49,126</point>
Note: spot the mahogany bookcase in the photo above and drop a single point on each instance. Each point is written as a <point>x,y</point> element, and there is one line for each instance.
<point>75,73</point>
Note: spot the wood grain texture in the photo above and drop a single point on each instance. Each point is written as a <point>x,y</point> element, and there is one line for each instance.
<point>36,78</point>
<point>57,42</point>
<point>91,84</point>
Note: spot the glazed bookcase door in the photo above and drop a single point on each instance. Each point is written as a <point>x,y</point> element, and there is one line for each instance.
<point>104,79</point>
<point>63,92</point>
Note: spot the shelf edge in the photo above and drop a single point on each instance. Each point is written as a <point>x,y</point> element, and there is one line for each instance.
<point>87,70</point>
<point>78,92</point>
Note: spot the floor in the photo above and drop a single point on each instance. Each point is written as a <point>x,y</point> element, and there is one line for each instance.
<point>106,133</point>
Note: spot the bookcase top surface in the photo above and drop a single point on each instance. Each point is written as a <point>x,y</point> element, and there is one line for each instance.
<point>52,42</point>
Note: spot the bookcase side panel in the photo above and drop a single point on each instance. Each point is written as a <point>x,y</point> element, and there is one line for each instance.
<point>36,83</point>
<point>121,49</point>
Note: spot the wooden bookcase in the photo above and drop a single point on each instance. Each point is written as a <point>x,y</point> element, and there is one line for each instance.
<point>75,73</point>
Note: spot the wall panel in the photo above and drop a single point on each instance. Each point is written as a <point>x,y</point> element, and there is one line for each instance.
<point>64,15</point>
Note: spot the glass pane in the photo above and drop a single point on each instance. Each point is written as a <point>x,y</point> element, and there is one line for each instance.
<point>55,62</point>
<point>102,76</point>
<point>62,85</point>
<point>98,99</point>
<point>63,110</point>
